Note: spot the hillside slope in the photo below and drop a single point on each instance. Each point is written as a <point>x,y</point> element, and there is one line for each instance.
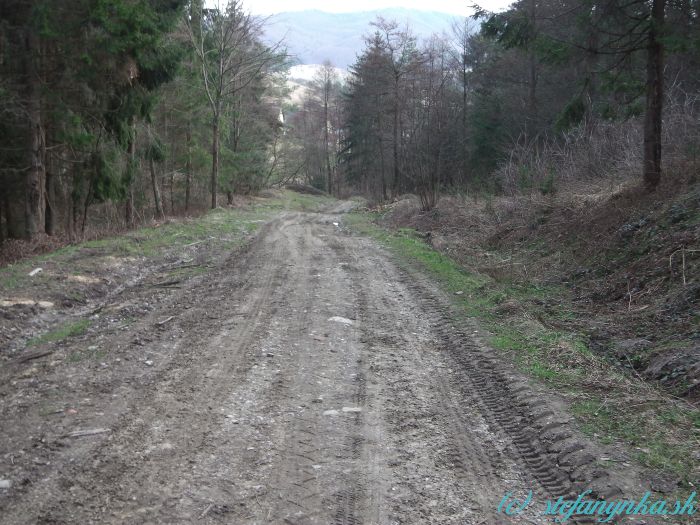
<point>620,268</point>
<point>314,36</point>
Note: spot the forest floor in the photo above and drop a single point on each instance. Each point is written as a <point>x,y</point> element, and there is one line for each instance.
<point>283,362</point>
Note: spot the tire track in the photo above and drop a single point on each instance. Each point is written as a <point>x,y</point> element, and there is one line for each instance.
<point>173,386</point>
<point>507,408</point>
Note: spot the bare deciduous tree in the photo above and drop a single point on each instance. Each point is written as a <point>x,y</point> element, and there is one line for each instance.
<point>231,56</point>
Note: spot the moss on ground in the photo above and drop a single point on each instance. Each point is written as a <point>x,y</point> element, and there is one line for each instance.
<point>62,332</point>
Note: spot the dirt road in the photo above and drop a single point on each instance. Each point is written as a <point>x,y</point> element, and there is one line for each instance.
<point>308,379</point>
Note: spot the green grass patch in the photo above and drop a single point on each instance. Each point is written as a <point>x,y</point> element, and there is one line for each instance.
<point>188,272</point>
<point>62,332</point>
<point>305,202</point>
<point>652,443</point>
<point>608,404</point>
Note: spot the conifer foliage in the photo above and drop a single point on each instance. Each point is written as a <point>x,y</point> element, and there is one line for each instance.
<point>106,114</point>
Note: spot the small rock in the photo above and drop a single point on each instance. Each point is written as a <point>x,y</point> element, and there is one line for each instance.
<point>5,483</point>
<point>30,372</point>
<point>352,409</point>
<point>35,271</point>
<point>459,293</point>
<point>330,413</point>
<point>629,347</point>
<point>342,320</point>
<point>665,486</point>
<point>149,363</point>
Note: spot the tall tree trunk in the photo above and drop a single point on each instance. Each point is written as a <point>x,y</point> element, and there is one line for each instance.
<point>2,213</point>
<point>214,158</point>
<point>156,190</point>
<point>50,213</point>
<point>13,228</point>
<point>172,192</point>
<point>465,131</point>
<point>591,65</point>
<point>532,83</point>
<point>655,94</point>
<point>188,168</point>
<point>129,205</point>
<point>75,213</point>
<point>382,163</point>
<point>34,182</point>
<point>325,138</point>
<point>396,182</point>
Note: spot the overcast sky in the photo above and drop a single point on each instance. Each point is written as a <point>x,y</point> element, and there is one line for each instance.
<point>268,7</point>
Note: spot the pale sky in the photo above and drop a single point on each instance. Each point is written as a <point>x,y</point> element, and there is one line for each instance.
<point>455,7</point>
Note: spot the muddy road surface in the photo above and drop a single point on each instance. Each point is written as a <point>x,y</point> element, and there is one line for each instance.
<point>308,379</point>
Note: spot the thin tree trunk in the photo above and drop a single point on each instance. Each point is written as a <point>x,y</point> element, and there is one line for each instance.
<point>156,190</point>
<point>172,192</point>
<point>214,159</point>
<point>129,205</point>
<point>13,229</point>
<point>382,163</point>
<point>86,207</point>
<point>654,98</point>
<point>465,147</point>
<point>2,212</point>
<point>325,138</point>
<point>50,215</point>
<point>188,176</point>
<point>591,63</point>
<point>532,84</point>
<point>75,216</point>
<point>396,144</point>
<point>34,182</point>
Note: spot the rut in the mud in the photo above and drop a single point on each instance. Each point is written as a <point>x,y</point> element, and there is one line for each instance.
<point>307,380</point>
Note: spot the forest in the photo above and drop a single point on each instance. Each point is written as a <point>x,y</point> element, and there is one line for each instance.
<point>455,283</point>
<point>541,94</point>
<point>114,113</point>
<point>117,112</point>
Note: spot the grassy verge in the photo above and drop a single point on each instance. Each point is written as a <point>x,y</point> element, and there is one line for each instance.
<point>78,273</point>
<point>661,432</point>
<point>224,227</point>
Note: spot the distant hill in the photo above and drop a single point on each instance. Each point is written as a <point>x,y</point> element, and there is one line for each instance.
<point>313,36</point>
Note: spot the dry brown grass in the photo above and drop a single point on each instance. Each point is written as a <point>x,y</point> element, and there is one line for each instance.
<point>620,253</point>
